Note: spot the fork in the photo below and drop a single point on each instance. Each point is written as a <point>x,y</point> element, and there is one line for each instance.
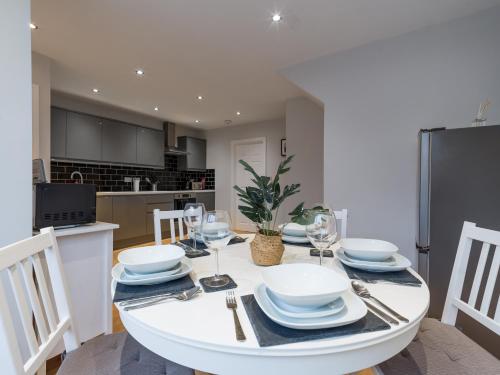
<point>231,304</point>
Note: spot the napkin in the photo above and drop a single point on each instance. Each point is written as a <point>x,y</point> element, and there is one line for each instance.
<point>269,333</point>
<point>125,292</point>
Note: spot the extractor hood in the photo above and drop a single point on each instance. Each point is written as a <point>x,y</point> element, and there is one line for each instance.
<point>170,140</point>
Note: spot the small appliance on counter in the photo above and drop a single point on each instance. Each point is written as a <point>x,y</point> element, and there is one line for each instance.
<point>196,185</point>
<point>63,205</point>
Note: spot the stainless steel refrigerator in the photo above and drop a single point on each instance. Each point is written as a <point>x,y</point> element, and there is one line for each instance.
<point>459,181</point>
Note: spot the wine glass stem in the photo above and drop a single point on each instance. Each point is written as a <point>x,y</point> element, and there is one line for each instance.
<point>320,257</point>
<point>193,236</point>
<point>217,262</point>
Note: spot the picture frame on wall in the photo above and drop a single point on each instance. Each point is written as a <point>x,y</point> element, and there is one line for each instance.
<point>283,147</point>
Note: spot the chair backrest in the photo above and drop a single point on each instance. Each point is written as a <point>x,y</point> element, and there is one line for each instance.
<point>454,302</point>
<point>341,215</point>
<point>171,216</point>
<point>22,263</point>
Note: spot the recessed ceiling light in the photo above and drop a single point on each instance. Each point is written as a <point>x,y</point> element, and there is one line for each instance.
<point>156,108</point>
<point>139,72</point>
<point>238,113</point>
<point>277,17</point>
<point>95,91</point>
<point>33,26</point>
<point>197,121</point>
<point>199,97</point>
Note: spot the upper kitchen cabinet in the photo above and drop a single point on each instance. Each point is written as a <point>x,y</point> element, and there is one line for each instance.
<point>150,147</point>
<point>196,158</point>
<point>58,119</point>
<point>83,137</point>
<point>119,142</point>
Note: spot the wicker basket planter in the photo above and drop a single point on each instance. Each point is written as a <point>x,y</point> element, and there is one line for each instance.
<point>267,250</point>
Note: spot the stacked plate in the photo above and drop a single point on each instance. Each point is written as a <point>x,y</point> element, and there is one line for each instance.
<point>371,255</point>
<point>307,296</point>
<point>151,265</point>
<point>294,233</point>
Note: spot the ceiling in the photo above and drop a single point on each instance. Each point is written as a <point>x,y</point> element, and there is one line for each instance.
<point>228,51</point>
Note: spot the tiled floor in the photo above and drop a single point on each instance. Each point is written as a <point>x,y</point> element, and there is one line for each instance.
<point>118,327</point>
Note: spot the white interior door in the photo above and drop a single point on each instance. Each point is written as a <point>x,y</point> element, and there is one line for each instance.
<point>253,151</point>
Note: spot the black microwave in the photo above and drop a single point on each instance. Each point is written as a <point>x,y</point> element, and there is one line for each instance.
<point>61,205</point>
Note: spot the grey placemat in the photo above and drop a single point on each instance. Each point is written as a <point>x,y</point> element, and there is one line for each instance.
<point>269,333</point>
<point>398,277</point>
<point>306,244</point>
<point>125,292</point>
<point>202,246</point>
<point>210,289</point>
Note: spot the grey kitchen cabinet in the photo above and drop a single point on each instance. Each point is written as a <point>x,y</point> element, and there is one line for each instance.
<point>83,137</point>
<point>58,119</point>
<point>119,142</point>
<point>150,147</point>
<point>130,213</point>
<point>207,198</point>
<point>196,158</point>
<point>104,209</point>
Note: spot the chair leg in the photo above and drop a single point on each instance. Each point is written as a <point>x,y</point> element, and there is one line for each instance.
<point>42,370</point>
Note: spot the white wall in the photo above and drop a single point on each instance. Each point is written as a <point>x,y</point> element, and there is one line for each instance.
<point>15,121</point>
<point>376,99</point>
<point>304,139</point>
<point>219,153</point>
<point>40,69</point>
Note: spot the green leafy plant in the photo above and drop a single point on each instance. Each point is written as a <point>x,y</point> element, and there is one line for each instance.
<point>262,201</point>
<point>300,214</point>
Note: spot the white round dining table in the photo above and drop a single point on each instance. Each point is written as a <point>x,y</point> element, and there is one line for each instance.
<point>200,333</point>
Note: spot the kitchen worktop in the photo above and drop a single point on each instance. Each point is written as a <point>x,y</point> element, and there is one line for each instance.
<point>149,192</point>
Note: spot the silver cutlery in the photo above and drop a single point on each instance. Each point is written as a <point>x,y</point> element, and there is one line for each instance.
<point>143,299</point>
<point>183,296</point>
<point>362,291</point>
<point>232,304</point>
<point>380,313</point>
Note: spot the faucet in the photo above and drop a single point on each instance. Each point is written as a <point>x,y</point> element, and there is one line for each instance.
<point>77,174</point>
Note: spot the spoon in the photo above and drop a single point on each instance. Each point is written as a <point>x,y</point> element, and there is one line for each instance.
<point>361,291</point>
<point>183,296</point>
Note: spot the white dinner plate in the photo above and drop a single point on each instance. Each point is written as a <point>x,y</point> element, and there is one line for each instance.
<point>401,263</point>
<point>144,276</point>
<point>354,310</point>
<point>293,239</point>
<point>294,229</point>
<point>386,262</point>
<point>300,312</point>
<point>120,276</point>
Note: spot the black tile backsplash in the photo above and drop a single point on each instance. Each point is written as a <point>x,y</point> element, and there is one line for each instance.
<point>108,177</point>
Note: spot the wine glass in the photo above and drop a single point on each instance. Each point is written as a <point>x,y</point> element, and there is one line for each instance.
<point>193,216</point>
<point>216,234</point>
<point>321,229</point>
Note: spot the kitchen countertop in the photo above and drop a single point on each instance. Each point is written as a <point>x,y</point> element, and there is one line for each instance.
<point>149,192</point>
<point>98,226</point>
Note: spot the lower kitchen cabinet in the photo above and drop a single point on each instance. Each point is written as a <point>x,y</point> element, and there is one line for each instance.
<point>130,213</point>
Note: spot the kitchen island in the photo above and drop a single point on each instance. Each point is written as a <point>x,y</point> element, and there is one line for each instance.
<point>133,211</point>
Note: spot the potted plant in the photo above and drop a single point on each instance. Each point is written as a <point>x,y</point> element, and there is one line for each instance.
<point>261,203</point>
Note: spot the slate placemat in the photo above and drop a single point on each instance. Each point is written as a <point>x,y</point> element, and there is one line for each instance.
<point>202,246</point>
<point>398,277</point>
<point>125,292</point>
<point>306,244</point>
<point>269,333</point>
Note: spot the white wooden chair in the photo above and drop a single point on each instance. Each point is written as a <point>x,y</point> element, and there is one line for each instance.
<point>341,216</point>
<point>45,321</point>
<point>440,348</point>
<point>171,216</point>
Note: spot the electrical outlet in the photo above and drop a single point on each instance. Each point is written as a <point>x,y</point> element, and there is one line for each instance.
<point>127,179</point>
